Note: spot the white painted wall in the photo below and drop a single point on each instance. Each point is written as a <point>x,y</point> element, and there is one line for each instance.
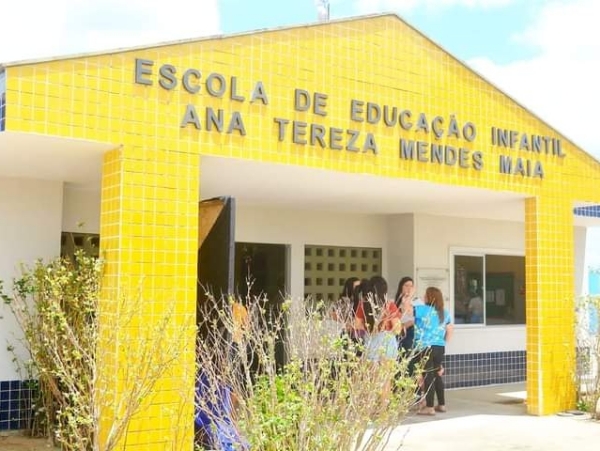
<point>30,227</point>
<point>401,249</point>
<point>581,279</point>
<point>435,234</point>
<point>593,248</point>
<point>81,212</point>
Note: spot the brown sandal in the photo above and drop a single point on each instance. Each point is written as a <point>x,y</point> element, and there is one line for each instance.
<point>440,408</point>
<point>430,411</point>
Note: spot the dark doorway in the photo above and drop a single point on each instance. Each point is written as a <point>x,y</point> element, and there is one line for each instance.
<point>215,254</point>
<point>261,271</point>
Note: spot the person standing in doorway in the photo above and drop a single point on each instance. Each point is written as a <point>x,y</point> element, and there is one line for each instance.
<point>475,307</point>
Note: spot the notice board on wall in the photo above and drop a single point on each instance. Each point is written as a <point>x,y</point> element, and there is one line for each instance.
<point>502,285</point>
<point>433,277</point>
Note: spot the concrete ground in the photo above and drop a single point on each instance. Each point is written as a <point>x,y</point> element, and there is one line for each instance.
<point>478,419</point>
<point>494,419</point>
<point>12,442</point>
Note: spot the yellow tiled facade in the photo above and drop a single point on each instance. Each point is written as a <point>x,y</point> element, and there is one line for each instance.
<point>139,100</point>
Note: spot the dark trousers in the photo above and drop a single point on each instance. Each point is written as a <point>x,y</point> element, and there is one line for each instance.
<point>434,384</point>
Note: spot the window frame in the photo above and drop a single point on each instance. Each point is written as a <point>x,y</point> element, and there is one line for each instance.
<point>478,252</point>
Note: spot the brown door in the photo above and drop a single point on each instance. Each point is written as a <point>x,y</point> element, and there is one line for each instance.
<point>216,246</point>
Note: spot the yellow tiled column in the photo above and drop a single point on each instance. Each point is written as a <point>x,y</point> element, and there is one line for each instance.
<point>149,223</point>
<point>550,305</point>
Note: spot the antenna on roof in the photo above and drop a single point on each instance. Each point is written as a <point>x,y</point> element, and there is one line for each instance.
<point>322,10</point>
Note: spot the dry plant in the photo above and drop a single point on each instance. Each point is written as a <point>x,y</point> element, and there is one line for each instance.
<point>56,305</point>
<point>588,355</point>
<point>287,377</point>
<point>147,355</point>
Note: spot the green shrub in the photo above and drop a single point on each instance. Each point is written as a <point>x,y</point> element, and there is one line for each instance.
<point>588,355</point>
<point>57,306</point>
<point>322,395</point>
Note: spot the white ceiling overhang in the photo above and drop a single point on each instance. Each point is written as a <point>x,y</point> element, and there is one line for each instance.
<point>79,163</point>
<point>36,156</point>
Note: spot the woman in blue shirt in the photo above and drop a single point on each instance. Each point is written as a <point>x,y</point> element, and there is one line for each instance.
<point>433,328</point>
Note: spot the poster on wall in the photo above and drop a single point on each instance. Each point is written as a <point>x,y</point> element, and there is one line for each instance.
<point>500,297</point>
<point>433,277</point>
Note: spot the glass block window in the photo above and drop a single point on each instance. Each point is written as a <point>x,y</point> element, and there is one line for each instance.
<point>326,268</point>
<point>71,242</point>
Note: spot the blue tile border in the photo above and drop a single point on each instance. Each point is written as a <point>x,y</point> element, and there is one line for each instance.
<point>16,398</point>
<point>488,368</point>
<point>461,370</point>
<point>591,211</point>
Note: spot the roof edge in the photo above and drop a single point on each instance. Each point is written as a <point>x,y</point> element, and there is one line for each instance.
<point>3,66</point>
<point>496,87</point>
<point>195,39</point>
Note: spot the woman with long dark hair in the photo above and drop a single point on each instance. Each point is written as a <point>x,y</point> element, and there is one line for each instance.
<point>404,299</point>
<point>343,309</point>
<point>389,312</point>
<point>362,308</point>
<point>383,344</point>
<point>349,286</point>
<point>433,329</point>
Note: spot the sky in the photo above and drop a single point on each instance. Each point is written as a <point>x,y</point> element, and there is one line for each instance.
<point>543,53</point>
